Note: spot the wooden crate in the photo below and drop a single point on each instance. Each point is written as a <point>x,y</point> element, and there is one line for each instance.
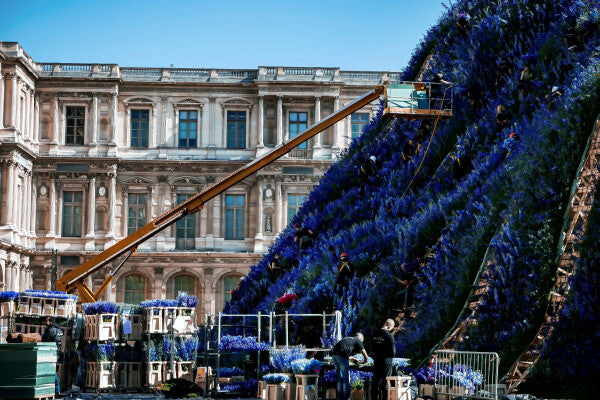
<point>274,392</point>
<point>130,375</point>
<point>48,307</point>
<point>154,373</point>
<point>100,327</point>
<point>303,392</point>
<point>155,320</point>
<point>22,305</point>
<point>7,308</point>
<point>398,388</point>
<point>184,370</point>
<point>35,306</point>
<point>100,375</point>
<point>65,307</point>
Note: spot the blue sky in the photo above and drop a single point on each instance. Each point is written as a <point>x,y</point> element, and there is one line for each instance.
<point>352,35</point>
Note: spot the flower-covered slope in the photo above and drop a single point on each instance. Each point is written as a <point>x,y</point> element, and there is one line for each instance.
<point>479,186</point>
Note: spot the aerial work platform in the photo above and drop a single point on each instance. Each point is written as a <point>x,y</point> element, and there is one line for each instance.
<point>418,100</point>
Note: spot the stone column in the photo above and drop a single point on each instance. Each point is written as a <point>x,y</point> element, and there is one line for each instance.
<point>212,119</point>
<point>115,118</point>
<point>8,276</point>
<point>36,118</point>
<point>56,121</point>
<point>94,140</point>
<point>27,199</point>
<point>52,229</point>
<point>13,104</point>
<point>279,120</point>
<point>1,98</point>
<point>112,204</point>
<point>336,135</point>
<point>10,188</point>
<point>261,121</point>
<point>30,120</point>
<point>278,216</point>
<point>217,218</point>
<point>260,225</point>
<point>33,208</point>
<point>163,123</point>
<point>91,207</point>
<point>317,119</point>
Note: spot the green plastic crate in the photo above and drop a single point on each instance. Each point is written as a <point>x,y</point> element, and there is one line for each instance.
<point>26,392</point>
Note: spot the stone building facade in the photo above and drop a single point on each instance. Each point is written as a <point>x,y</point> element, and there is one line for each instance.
<point>91,152</point>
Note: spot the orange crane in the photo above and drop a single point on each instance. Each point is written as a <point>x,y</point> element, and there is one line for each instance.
<point>75,279</point>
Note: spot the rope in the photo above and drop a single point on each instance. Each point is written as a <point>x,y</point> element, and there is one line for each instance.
<point>428,145</point>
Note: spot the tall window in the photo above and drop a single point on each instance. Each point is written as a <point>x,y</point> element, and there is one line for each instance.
<point>298,124</point>
<point>236,129</point>
<point>234,217</point>
<point>185,228</point>
<point>188,129</point>
<point>140,122</point>
<point>185,283</point>
<point>71,219</point>
<point>75,125</point>
<point>136,217</point>
<point>135,289</point>
<point>358,120</point>
<point>294,203</point>
<point>229,283</point>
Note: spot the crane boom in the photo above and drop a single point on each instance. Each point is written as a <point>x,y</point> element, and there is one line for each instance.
<point>75,280</point>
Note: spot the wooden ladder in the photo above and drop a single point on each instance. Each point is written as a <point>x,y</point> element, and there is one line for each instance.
<point>580,205</point>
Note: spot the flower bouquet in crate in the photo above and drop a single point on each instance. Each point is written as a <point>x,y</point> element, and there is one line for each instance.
<point>276,378</point>
<point>305,366</point>
<point>247,387</point>
<point>7,302</point>
<point>282,359</point>
<point>358,381</point>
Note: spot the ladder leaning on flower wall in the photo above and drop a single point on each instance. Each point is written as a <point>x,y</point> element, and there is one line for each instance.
<point>581,200</point>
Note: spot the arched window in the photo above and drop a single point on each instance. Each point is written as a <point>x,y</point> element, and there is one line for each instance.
<point>184,283</point>
<point>135,289</point>
<point>229,283</point>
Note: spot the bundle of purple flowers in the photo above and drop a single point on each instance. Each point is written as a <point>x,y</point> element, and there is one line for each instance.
<point>241,343</point>
<point>8,296</point>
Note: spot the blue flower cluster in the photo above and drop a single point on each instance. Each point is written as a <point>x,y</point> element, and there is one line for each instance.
<point>463,375</point>
<point>248,386</point>
<point>100,352</point>
<point>304,366</point>
<point>283,358</point>
<point>100,307</point>
<point>229,372</point>
<point>241,343</point>
<point>50,294</point>
<point>358,378</point>
<point>275,379</point>
<point>8,296</point>
<point>185,348</point>
<point>159,303</point>
<point>187,301</point>
<point>157,349</point>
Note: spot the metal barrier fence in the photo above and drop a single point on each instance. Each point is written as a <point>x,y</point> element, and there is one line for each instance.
<point>468,374</point>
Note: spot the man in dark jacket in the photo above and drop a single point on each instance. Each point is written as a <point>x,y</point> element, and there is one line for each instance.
<point>341,354</point>
<point>53,333</point>
<point>384,350</point>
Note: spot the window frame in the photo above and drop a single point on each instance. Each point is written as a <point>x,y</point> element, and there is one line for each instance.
<point>241,235</point>
<point>296,206</point>
<point>64,203</point>
<point>360,124</point>
<point>244,137</point>
<point>136,193</point>
<point>150,114</point>
<point>178,112</point>
<point>190,217</point>
<point>83,119</point>
<point>227,292</point>
<point>304,145</point>
<point>171,284</point>
<point>144,289</point>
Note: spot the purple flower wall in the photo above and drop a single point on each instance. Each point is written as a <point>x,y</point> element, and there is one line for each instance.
<point>510,201</point>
